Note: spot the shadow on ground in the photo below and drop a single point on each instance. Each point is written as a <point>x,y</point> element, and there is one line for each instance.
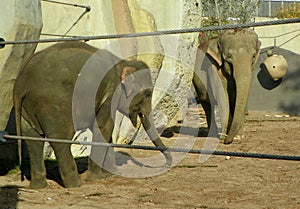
<point>52,169</point>
<point>190,131</point>
<point>9,196</point>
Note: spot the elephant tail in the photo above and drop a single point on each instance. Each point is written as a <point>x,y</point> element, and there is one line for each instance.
<point>18,96</point>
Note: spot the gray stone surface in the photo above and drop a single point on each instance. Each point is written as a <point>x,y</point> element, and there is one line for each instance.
<point>178,61</point>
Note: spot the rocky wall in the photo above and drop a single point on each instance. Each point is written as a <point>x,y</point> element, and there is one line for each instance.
<point>169,54</point>
<point>19,20</point>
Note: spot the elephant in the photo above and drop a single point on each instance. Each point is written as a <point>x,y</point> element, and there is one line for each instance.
<point>227,65</point>
<point>56,85</point>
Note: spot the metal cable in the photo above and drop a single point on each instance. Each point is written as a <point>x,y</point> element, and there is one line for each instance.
<point>156,33</point>
<point>169,149</point>
<point>76,22</point>
<point>280,35</point>
<point>57,35</point>
<point>289,40</point>
<point>68,4</point>
<point>87,10</point>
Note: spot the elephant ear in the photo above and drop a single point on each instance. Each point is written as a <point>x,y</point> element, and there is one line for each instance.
<point>257,50</point>
<point>128,81</point>
<point>212,49</point>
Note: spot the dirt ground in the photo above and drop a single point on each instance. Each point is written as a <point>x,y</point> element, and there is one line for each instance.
<point>219,182</point>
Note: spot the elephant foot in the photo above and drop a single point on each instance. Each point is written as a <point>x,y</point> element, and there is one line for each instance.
<point>98,175</point>
<point>239,136</point>
<point>228,140</point>
<point>72,182</point>
<point>38,184</point>
<point>168,159</point>
<point>223,136</point>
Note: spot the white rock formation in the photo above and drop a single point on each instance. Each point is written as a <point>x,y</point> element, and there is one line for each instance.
<point>19,20</point>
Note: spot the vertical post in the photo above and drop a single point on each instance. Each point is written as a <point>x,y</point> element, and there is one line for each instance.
<point>217,11</point>
<point>270,8</point>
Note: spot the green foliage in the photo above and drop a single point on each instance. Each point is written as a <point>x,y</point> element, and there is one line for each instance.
<point>223,12</point>
<point>8,167</point>
<point>209,21</point>
<point>290,11</point>
<point>15,170</point>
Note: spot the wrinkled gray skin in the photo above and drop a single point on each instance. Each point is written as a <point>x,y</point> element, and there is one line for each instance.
<point>229,59</point>
<point>43,96</point>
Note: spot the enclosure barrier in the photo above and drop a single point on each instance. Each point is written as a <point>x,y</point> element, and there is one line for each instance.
<point>156,33</point>
<point>275,37</point>
<point>168,149</point>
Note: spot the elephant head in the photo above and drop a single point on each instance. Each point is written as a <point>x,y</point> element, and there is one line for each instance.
<point>136,97</point>
<point>234,53</point>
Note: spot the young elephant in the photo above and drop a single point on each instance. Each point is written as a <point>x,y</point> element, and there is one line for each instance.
<point>227,60</point>
<point>73,86</point>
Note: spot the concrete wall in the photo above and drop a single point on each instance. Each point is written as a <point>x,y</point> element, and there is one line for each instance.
<point>57,19</point>
<point>128,16</point>
<point>285,36</point>
<point>283,96</point>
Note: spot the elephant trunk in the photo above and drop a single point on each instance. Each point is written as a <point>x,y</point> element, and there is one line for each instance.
<point>243,79</point>
<point>148,124</point>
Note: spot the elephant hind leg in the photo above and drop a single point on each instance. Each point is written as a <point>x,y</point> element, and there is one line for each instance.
<point>67,165</point>
<point>35,151</point>
<point>37,165</point>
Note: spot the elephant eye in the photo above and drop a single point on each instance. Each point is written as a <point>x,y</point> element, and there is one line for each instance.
<point>254,57</point>
<point>148,93</point>
<point>229,58</point>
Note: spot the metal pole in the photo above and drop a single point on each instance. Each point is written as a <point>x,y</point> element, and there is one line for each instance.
<point>270,8</point>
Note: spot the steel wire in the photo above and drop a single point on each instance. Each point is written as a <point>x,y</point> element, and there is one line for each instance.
<point>167,149</point>
<point>156,33</point>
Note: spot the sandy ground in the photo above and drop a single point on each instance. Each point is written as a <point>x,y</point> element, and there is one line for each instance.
<point>219,182</point>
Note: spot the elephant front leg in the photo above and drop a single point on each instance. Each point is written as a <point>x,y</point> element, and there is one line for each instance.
<point>221,94</point>
<point>102,159</point>
<point>203,91</point>
<point>240,134</point>
<point>210,119</point>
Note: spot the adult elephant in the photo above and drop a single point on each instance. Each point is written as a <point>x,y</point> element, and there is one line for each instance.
<point>73,86</point>
<point>227,62</point>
